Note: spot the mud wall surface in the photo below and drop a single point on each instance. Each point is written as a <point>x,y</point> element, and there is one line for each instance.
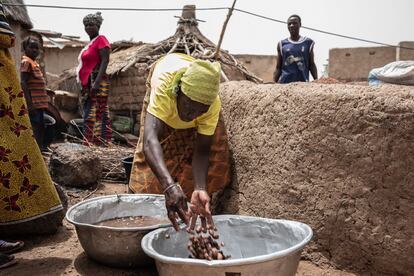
<point>337,157</point>
<point>57,60</point>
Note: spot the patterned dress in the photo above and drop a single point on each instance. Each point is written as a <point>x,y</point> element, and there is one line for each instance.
<point>27,193</point>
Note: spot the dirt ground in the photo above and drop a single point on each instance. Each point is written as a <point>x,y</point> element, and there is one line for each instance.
<point>62,254</point>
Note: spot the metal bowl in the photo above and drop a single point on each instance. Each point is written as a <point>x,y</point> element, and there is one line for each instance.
<point>118,247</point>
<point>258,246</point>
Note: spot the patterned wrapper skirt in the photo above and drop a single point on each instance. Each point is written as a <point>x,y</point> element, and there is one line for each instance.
<point>178,148</point>
<point>96,121</point>
<point>27,194</point>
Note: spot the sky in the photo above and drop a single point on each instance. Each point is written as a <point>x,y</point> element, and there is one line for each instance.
<point>383,21</point>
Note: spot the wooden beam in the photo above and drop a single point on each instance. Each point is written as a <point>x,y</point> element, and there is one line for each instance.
<point>217,53</point>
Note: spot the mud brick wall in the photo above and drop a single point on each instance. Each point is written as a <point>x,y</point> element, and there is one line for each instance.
<point>128,89</point>
<point>337,157</point>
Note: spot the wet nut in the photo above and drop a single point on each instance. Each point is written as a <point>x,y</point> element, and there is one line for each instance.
<point>214,252</point>
<point>206,246</point>
<point>216,245</point>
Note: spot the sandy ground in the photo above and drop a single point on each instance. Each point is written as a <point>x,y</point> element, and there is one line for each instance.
<point>62,254</point>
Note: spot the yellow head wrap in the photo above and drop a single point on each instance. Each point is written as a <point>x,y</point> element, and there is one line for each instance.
<point>200,82</point>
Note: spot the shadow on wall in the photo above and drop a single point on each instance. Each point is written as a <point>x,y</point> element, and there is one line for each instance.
<point>227,200</point>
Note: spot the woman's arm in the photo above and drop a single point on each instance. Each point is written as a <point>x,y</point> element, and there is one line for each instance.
<point>153,151</point>
<point>200,200</point>
<point>104,55</point>
<point>201,160</point>
<point>175,200</point>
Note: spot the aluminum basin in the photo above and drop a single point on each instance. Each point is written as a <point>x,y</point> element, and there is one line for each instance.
<point>258,246</point>
<point>118,247</point>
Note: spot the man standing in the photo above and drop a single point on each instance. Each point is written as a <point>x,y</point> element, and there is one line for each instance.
<point>295,55</point>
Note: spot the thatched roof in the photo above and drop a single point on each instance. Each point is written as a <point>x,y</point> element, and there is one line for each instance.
<point>124,59</point>
<point>18,14</point>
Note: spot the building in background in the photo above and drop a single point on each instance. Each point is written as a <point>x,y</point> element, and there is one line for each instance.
<point>21,25</point>
<point>354,64</point>
<point>262,66</point>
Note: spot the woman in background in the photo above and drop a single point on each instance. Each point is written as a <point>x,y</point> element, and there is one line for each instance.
<point>91,74</point>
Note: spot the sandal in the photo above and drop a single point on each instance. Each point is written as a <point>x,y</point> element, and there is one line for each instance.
<point>10,247</point>
<point>6,260</point>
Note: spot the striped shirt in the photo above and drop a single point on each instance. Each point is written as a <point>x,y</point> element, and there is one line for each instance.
<point>36,83</point>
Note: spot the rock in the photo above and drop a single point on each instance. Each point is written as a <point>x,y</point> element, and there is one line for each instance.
<point>65,100</point>
<point>337,157</point>
<point>75,165</point>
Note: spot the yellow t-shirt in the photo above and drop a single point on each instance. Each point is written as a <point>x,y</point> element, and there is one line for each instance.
<point>163,102</point>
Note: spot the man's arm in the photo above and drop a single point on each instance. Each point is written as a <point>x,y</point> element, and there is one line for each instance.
<point>24,77</point>
<point>278,70</point>
<point>312,66</point>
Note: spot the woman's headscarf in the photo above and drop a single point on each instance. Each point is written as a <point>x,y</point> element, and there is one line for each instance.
<point>94,18</point>
<point>200,82</point>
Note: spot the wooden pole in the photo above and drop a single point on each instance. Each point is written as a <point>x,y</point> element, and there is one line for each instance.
<point>217,53</point>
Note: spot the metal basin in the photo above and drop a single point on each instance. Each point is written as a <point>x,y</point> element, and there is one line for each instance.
<point>118,247</point>
<point>258,246</point>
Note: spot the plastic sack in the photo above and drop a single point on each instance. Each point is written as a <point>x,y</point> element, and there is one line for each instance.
<point>397,72</point>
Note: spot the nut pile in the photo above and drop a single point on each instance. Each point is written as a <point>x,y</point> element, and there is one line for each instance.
<point>204,245</point>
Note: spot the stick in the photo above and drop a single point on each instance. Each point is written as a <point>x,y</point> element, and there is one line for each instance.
<point>126,139</point>
<point>94,191</point>
<point>216,55</point>
<point>174,46</point>
<point>71,136</point>
<point>224,76</point>
<point>187,50</point>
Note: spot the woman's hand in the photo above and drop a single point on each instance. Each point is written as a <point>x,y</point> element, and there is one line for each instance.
<point>200,207</point>
<point>95,87</point>
<point>176,204</point>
